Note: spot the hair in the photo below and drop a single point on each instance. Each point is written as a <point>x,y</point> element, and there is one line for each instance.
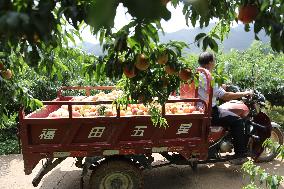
<point>205,58</point>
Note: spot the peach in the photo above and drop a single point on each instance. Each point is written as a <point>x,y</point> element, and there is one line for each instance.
<point>108,112</point>
<point>163,58</point>
<point>91,114</point>
<point>76,114</point>
<point>140,112</point>
<point>173,109</point>
<point>196,112</point>
<point>122,113</point>
<point>134,111</point>
<point>186,110</point>
<point>142,62</point>
<point>54,115</point>
<point>7,74</point>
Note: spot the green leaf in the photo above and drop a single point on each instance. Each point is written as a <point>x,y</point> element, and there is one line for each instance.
<point>256,37</point>
<point>247,27</point>
<point>257,26</point>
<point>264,5</point>
<point>102,35</point>
<point>199,36</point>
<point>152,32</point>
<point>215,36</point>
<point>213,45</point>
<point>205,43</point>
<point>100,14</point>
<point>70,36</point>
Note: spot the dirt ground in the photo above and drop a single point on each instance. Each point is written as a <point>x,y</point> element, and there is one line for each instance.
<point>67,176</point>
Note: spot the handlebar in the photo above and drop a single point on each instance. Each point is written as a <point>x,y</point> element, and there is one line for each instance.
<point>257,97</point>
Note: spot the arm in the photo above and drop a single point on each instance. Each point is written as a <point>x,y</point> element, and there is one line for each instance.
<point>232,96</point>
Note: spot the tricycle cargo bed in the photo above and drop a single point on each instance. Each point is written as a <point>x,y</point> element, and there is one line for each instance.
<point>45,137</point>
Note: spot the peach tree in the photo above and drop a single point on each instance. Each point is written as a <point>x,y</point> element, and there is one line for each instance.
<point>34,29</point>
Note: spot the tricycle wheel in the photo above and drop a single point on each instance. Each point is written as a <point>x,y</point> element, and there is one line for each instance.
<point>268,155</point>
<point>116,174</point>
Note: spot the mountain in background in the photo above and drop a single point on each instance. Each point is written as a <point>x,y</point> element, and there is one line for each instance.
<point>238,39</point>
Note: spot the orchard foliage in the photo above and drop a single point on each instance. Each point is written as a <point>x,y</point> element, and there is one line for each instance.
<point>259,176</point>
<point>256,68</point>
<point>37,22</point>
<point>35,30</point>
<point>29,84</point>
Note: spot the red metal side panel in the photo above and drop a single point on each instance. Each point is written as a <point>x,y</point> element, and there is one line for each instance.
<point>184,128</point>
<point>48,133</point>
<point>117,132</point>
<point>101,130</point>
<point>46,137</point>
<point>94,135</point>
<point>140,131</point>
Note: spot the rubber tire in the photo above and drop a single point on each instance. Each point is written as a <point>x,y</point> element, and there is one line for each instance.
<point>274,154</point>
<point>194,166</point>
<point>129,168</point>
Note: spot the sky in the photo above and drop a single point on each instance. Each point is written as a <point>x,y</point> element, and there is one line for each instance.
<point>177,22</point>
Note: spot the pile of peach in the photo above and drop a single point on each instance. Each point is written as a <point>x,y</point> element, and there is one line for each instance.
<point>110,110</point>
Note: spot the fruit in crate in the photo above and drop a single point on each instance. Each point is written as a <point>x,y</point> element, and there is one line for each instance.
<point>109,112</point>
<point>78,98</point>
<point>179,108</point>
<point>91,114</point>
<point>61,112</point>
<point>53,115</point>
<point>122,113</point>
<point>110,109</point>
<point>173,109</point>
<point>76,114</point>
<point>134,111</point>
<point>196,112</point>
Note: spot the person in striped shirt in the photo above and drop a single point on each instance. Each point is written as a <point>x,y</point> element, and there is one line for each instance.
<point>221,117</point>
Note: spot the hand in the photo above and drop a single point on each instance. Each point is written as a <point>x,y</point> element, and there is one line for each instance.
<point>224,86</point>
<point>248,93</point>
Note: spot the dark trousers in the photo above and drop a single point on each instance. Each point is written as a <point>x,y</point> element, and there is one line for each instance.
<point>236,124</point>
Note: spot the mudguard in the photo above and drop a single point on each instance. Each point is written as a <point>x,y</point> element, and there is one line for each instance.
<point>262,128</point>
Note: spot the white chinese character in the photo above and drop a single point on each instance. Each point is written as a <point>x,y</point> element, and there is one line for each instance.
<point>96,132</point>
<point>47,134</point>
<point>139,130</point>
<point>183,129</point>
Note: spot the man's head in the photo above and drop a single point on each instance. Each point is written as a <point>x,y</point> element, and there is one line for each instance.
<point>207,60</point>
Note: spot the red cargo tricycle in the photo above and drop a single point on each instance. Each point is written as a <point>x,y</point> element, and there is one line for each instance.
<point>118,147</point>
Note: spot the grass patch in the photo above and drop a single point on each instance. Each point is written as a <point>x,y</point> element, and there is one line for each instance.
<point>276,114</point>
<point>8,141</point>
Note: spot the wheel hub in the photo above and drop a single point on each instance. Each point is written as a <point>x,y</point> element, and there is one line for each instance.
<point>116,183</point>
<point>117,180</point>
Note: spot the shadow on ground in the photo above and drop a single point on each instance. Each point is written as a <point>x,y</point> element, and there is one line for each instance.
<point>67,176</point>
